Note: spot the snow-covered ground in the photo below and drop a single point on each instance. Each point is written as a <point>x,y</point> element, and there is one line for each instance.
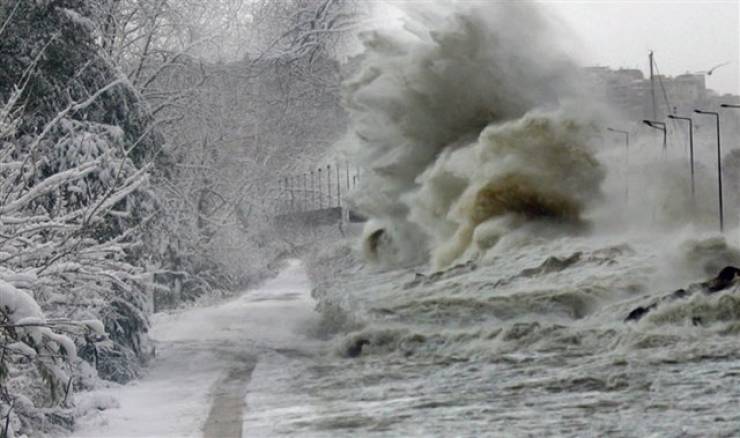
<point>205,359</point>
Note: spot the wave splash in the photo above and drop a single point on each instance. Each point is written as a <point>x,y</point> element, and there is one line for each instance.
<point>469,124</point>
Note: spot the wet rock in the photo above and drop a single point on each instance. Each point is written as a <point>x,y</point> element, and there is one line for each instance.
<point>727,277</point>
<point>639,312</point>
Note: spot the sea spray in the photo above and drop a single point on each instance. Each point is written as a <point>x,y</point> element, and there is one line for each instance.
<point>534,168</point>
<point>459,120</point>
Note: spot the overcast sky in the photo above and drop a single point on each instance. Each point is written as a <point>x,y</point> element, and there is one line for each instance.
<point>692,35</point>
<point>686,36</point>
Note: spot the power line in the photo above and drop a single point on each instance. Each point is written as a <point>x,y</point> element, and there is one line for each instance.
<point>662,87</point>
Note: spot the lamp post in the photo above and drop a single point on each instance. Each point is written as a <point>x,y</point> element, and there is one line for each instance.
<point>625,133</point>
<point>691,151</point>
<point>661,127</point>
<point>719,167</point>
<point>627,158</point>
<point>730,106</point>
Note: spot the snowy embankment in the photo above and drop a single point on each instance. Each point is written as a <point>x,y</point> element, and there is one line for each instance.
<point>205,359</point>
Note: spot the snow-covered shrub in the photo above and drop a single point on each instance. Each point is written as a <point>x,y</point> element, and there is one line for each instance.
<point>35,358</point>
<point>65,234</point>
<point>72,221</point>
<point>76,152</point>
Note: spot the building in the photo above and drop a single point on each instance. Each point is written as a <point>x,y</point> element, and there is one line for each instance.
<point>630,92</point>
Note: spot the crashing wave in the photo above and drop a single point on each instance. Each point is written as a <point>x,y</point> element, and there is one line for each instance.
<point>462,123</point>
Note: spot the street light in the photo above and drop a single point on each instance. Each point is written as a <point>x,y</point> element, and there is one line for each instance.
<point>627,159</point>
<point>661,127</point>
<point>730,106</point>
<point>691,151</point>
<point>719,167</point>
<point>626,135</point>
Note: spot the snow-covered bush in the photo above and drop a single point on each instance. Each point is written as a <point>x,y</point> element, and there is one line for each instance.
<point>76,207</point>
<point>35,358</point>
<point>66,233</point>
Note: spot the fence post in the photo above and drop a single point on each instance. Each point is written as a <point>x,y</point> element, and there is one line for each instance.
<point>294,192</point>
<point>286,191</point>
<point>276,207</point>
<point>347,169</point>
<point>339,188</point>
<point>328,186</point>
<point>321,196</point>
<point>313,190</point>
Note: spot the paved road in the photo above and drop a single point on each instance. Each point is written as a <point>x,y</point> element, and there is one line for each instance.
<point>198,383</point>
<point>226,416</point>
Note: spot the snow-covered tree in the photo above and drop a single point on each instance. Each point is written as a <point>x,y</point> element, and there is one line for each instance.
<point>140,146</point>
<point>234,118</point>
<point>76,210</point>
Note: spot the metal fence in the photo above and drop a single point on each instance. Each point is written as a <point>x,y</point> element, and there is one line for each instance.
<point>324,187</point>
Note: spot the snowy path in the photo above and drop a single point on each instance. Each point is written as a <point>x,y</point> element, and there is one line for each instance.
<point>197,385</point>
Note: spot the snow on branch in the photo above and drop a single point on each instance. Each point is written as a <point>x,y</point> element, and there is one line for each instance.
<point>50,184</point>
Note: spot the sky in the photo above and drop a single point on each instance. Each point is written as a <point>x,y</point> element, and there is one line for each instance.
<point>692,36</point>
<point>686,36</point>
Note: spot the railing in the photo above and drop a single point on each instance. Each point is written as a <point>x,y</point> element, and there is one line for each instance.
<point>317,193</point>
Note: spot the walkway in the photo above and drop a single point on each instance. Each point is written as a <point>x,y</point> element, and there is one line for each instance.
<point>198,383</point>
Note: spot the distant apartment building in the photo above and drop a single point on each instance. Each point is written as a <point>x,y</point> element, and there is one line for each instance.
<point>621,89</point>
<point>630,91</point>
